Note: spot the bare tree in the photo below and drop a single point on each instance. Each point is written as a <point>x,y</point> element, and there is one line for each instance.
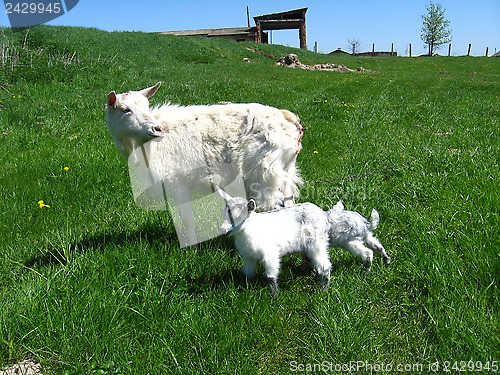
<point>354,44</point>
<point>435,30</point>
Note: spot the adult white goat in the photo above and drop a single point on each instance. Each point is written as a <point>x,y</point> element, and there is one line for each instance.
<point>199,146</point>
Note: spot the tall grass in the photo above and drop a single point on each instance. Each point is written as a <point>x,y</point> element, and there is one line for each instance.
<point>94,285</point>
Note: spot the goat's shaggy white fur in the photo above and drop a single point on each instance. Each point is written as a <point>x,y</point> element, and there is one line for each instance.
<point>250,141</point>
<point>350,231</point>
<point>268,236</point>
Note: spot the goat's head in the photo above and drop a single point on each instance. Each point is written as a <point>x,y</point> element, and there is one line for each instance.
<point>235,212</point>
<point>130,120</point>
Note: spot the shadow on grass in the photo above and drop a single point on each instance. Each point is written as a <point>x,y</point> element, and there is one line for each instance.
<point>60,255</point>
<point>293,269</point>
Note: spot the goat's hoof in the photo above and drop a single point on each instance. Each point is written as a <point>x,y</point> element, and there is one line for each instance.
<point>273,286</point>
<point>387,261</point>
<point>324,286</point>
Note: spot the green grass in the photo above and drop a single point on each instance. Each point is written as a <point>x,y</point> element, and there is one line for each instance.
<point>94,285</point>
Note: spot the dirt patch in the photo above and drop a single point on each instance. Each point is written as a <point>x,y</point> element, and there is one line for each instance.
<point>27,367</point>
<point>265,54</point>
<point>292,61</point>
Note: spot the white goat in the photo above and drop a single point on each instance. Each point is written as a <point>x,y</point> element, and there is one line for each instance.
<point>268,236</point>
<point>199,146</point>
<point>350,231</point>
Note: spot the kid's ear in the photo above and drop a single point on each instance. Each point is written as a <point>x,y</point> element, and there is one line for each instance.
<point>251,205</point>
<point>112,99</point>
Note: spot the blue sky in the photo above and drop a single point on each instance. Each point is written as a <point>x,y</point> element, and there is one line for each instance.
<point>329,22</point>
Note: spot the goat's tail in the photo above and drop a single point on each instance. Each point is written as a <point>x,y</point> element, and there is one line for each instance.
<point>374,220</point>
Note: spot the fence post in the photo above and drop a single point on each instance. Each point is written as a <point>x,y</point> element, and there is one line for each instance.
<point>410,49</point>
<point>486,51</point>
<point>392,49</point>
<point>373,49</point>
<point>449,50</point>
<point>468,50</point>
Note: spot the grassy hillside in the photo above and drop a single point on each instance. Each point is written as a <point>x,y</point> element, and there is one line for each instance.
<point>95,285</point>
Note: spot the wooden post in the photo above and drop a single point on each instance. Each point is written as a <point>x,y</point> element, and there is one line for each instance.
<point>248,16</point>
<point>316,47</point>
<point>392,49</point>
<point>373,49</point>
<point>410,49</point>
<point>449,50</point>
<point>486,51</point>
<point>302,35</point>
<point>259,33</point>
<point>468,50</point>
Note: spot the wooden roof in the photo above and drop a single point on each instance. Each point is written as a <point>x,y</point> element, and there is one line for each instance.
<point>227,31</point>
<point>291,19</point>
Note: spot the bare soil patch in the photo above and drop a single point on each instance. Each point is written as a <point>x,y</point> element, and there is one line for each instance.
<point>292,61</point>
<point>26,367</point>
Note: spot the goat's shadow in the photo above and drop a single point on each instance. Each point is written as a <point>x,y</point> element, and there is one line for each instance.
<point>97,243</point>
<point>150,233</point>
<point>291,267</point>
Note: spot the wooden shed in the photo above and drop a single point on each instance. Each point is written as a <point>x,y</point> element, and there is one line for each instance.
<point>293,19</point>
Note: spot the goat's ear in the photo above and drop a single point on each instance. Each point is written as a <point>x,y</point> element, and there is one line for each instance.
<point>150,91</point>
<point>112,99</point>
<point>338,208</point>
<point>251,205</point>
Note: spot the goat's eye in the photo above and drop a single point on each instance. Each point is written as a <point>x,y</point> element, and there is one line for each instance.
<point>126,111</point>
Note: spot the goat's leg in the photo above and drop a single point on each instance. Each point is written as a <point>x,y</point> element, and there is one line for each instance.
<point>375,244</point>
<point>323,266</point>
<point>273,286</point>
<point>249,266</point>
<point>290,189</point>
<point>271,271</point>
<point>359,249</point>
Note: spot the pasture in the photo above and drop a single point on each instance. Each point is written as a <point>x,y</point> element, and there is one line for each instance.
<point>92,284</point>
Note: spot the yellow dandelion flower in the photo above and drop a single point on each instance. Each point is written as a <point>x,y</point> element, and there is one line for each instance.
<point>66,169</point>
<point>315,151</point>
<point>41,204</point>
